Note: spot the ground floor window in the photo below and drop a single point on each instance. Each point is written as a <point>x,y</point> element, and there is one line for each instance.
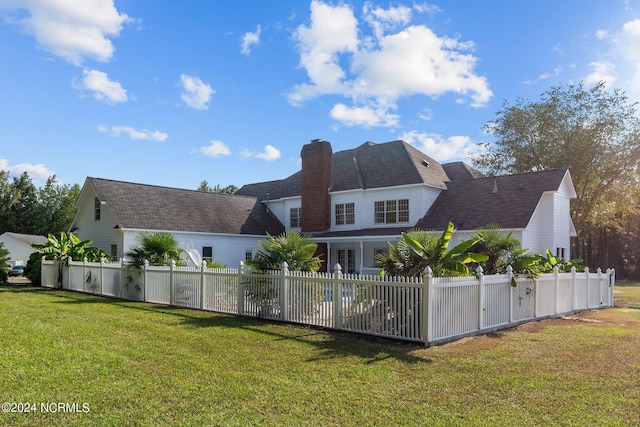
<point>347,260</point>
<point>114,251</point>
<point>207,253</point>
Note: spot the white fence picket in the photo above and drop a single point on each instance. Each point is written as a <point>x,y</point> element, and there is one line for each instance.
<point>425,309</point>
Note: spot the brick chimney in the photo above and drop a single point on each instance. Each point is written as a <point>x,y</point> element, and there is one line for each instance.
<point>316,181</point>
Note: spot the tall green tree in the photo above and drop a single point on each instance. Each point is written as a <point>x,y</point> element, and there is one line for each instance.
<point>205,187</point>
<point>56,206</point>
<point>593,131</point>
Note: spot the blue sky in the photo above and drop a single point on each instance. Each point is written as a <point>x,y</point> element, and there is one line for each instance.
<point>174,93</point>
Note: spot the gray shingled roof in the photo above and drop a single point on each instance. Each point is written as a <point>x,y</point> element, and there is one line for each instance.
<point>149,207</point>
<point>370,165</point>
<point>28,239</point>
<point>508,200</point>
<point>457,171</point>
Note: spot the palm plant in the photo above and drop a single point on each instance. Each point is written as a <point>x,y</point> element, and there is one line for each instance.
<point>158,249</point>
<point>497,245</point>
<point>68,247</point>
<point>419,249</point>
<point>291,247</point>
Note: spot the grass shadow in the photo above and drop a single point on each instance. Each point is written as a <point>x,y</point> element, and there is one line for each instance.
<point>330,343</point>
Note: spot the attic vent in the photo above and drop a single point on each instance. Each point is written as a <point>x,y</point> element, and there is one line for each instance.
<point>425,163</point>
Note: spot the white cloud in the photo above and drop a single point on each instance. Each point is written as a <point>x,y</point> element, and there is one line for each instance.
<point>601,34</point>
<point>196,93</point>
<point>70,29</point>
<point>603,71</point>
<point>363,116</point>
<point>453,148</point>
<point>250,39</point>
<point>136,135</point>
<point>556,72</point>
<point>628,43</point>
<point>105,90</point>
<point>376,71</point>
<point>269,154</point>
<point>37,172</point>
<point>215,149</point>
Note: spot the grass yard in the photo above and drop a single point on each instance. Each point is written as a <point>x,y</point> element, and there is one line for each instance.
<point>124,363</point>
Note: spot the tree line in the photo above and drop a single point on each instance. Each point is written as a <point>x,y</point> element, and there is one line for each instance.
<point>595,133</point>
<point>29,210</point>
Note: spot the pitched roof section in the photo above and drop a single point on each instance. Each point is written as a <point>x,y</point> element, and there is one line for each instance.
<point>507,200</point>
<point>27,239</point>
<point>149,207</point>
<point>457,171</point>
<point>370,165</point>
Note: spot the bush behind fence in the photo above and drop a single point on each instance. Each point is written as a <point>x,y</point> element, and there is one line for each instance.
<point>427,309</point>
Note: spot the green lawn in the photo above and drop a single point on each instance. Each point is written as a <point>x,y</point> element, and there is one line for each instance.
<point>143,364</point>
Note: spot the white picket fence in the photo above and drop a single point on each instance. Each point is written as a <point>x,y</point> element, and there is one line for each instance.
<point>428,309</point>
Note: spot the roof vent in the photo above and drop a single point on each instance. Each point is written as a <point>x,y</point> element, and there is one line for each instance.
<point>425,163</point>
<point>495,185</point>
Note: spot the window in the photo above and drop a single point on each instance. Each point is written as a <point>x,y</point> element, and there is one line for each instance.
<point>295,217</point>
<point>96,205</point>
<point>248,255</point>
<point>391,211</point>
<point>345,213</point>
<point>347,260</point>
<point>114,251</point>
<point>376,251</point>
<point>207,252</point>
<point>560,253</point>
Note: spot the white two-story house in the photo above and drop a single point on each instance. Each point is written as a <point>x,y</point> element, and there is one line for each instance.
<point>354,202</point>
<point>351,202</point>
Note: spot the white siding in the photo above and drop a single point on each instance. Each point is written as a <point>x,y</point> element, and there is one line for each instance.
<point>538,235</point>
<point>101,232</point>
<point>420,199</point>
<point>19,251</point>
<point>227,248</point>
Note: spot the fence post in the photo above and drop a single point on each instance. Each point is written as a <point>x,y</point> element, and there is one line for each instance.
<point>144,279</point>
<point>284,292</point>
<point>202,267</point>
<point>336,294</point>
<point>586,273</point>
<point>573,288</point>
<point>480,277</point>
<point>427,281</point>
<point>84,275</point>
<point>511,291</point>
<point>556,282</point>
<point>240,309</point>
<point>171,297</point>
<point>599,271</point>
<point>121,280</point>
<point>612,285</point>
<point>101,274</point>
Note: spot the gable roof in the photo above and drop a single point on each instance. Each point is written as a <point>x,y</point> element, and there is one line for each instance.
<point>370,165</point>
<point>508,200</point>
<point>27,239</point>
<point>150,207</point>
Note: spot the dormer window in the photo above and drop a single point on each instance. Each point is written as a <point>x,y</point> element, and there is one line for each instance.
<point>96,205</point>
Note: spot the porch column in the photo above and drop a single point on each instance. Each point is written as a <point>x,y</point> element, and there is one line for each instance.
<point>361,256</point>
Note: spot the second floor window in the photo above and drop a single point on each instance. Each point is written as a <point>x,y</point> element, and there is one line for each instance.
<point>295,217</point>
<point>96,206</point>
<point>345,213</point>
<point>391,211</point>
